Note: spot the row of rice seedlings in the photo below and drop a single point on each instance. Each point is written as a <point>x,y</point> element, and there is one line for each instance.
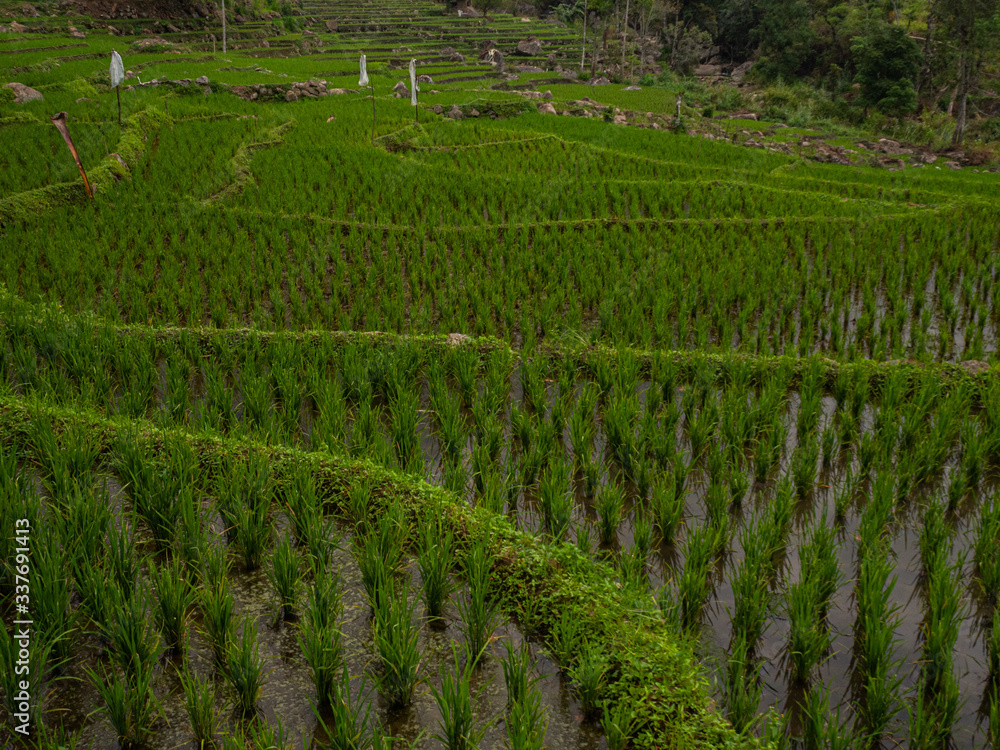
<point>808,601</point>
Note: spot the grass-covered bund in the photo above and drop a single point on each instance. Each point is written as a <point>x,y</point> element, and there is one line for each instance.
<point>711,462</point>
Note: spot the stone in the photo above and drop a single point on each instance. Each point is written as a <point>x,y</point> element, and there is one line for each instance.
<point>974,366</point>
<point>927,158</point>
<point>18,28</point>
<point>547,95</point>
<point>493,57</point>
<point>455,113</point>
<point>447,51</point>
<point>708,70</point>
<point>438,109</point>
<point>456,57</point>
<point>620,120</point>
<point>400,90</point>
<point>331,118</point>
<point>424,79</point>
<point>120,160</point>
<point>473,112</point>
<point>546,108</point>
<point>529,48</point>
<point>22,93</point>
<point>291,96</point>
<point>632,88</point>
<point>173,29</point>
<point>602,81</point>
<point>950,164</point>
<point>740,71</point>
<point>332,26</point>
<point>202,80</point>
<point>457,339</point>
<point>76,33</point>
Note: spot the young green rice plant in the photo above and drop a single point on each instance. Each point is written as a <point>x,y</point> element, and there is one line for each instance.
<point>619,722</point>
<point>405,416</point>
<point>591,478</point>
<point>51,593</point>
<point>457,729</point>
<point>395,636</point>
<point>804,464</point>
<point>349,728</point>
<point>480,613</point>
<point>129,704</point>
<point>435,559</point>
<point>582,431</point>
<point>13,679</point>
<point>321,539</point>
<point>517,677</point>
<point>935,535</point>
<point>743,687</point>
<point>245,668</point>
<point>218,608</point>
<point>285,575</point>
<point>808,637</point>
<point>555,497</point>
<point>464,367</point>
<point>818,563</point>
<point>193,539</point>
<point>359,502</point>
<point>589,675</point>
<point>526,723</point>
<point>82,522</point>
<point>943,619</point>
<point>199,702</point>
<point>694,585</point>
<point>987,566</point>
<point>667,508</point>
<point>751,599</point>
<point>320,637</point>
<point>174,597</point>
<point>378,550</point>
<point>610,503</point>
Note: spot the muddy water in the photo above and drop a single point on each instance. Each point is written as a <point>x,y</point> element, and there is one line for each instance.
<point>288,692</point>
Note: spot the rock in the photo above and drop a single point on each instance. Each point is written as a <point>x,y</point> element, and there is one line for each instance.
<point>424,79</point>
<point>950,164</point>
<point>332,26</point>
<point>473,112</point>
<point>632,88</point>
<point>17,28</point>
<point>400,90</point>
<point>456,57</point>
<point>438,109</point>
<point>455,113</point>
<point>532,94</point>
<point>291,96</point>
<point>708,70</point>
<point>112,31</point>
<point>76,33</point>
<point>974,366</point>
<point>173,29</point>
<point>602,81</point>
<point>493,57</point>
<point>741,70</point>
<point>23,93</point>
<point>202,80</point>
<point>546,108</point>
<point>620,120</point>
<point>529,48</point>
<point>927,158</point>
<point>547,95</point>
<point>457,339</point>
<point>120,160</point>
<point>447,51</point>
<point>525,20</point>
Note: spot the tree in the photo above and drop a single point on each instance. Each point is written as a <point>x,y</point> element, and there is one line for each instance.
<point>785,37</point>
<point>969,29</point>
<point>887,62</point>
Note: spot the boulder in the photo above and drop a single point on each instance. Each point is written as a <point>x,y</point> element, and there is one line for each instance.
<point>602,81</point>
<point>424,79</point>
<point>291,96</point>
<point>400,90</point>
<point>202,80</point>
<point>473,112</point>
<point>569,74</point>
<point>632,88</point>
<point>493,57</point>
<point>741,70</point>
<point>708,70</point>
<point>438,109</point>
<point>332,26</point>
<point>76,33</point>
<point>949,164</point>
<point>547,95</point>
<point>620,120</point>
<point>173,29</point>
<point>447,51</point>
<point>23,93</point>
<point>456,57</point>
<point>529,48</point>
<point>455,113</point>
<point>546,108</point>
<point>18,28</point>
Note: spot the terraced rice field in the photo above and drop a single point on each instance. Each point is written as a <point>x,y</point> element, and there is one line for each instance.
<point>325,428</point>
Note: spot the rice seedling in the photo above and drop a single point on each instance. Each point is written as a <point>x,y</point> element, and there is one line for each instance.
<point>51,594</point>
<point>526,723</point>
<point>435,559</point>
<point>245,668</point>
<point>610,502</point>
<point>555,498</point>
<point>285,575</point>
<point>589,675</point>
<point>480,612</point>
<point>751,600</point>
<point>517,677</point>
<point>808,638</point>
<point>174,596</point>
<point>619,724</point>
<point>199,702</point>
<point>804,464</point>
<point>129,704</point>
<point>944,614</point>
<point>349,728</point>
<point>667,507</point>
<point>694,585</point>
<point>743,687</point>
<point>457,728</point>
<point>395,637</point>
<point>320,637</point>
<point>378,550</point>
<point>218,609</point>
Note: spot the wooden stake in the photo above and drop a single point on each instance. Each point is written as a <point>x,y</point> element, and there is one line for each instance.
<point>59,120</point>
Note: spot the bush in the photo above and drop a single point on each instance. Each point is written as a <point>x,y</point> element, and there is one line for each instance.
<point>647,80</point>
<point>708,112</point>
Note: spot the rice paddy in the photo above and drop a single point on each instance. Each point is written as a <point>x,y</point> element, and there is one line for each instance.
<point>520,431</point>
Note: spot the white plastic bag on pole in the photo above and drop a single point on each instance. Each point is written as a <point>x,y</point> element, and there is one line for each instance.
<point>363,81</point>
<point>413,82</point>
<point>117,69</point>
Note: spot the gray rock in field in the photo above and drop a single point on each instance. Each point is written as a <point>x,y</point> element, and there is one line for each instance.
<point>602,81</point>
<point>424,79</point>
<point>455,113</point>
<point>400,90</point>
<point>529,48</point>
<point>447,51</point>
<point>546,108</point>
<point>457,339</point>
<point>291,96</point>
<point>202,80</point>
<point>632,88</point>
<point>473,112</point>
<point>172,29</point>
<point>974,366</point>
<point>456,57</point>
<point>438,109</point>
<point>22,93</point>
<point>17,28</point>
<point>493,57</point>
<point>547,95</point>
<point>953,165</point>
<point>528,69</point>
<point>332,26</point>
<point>740,71</point>
<point>76,33</point>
